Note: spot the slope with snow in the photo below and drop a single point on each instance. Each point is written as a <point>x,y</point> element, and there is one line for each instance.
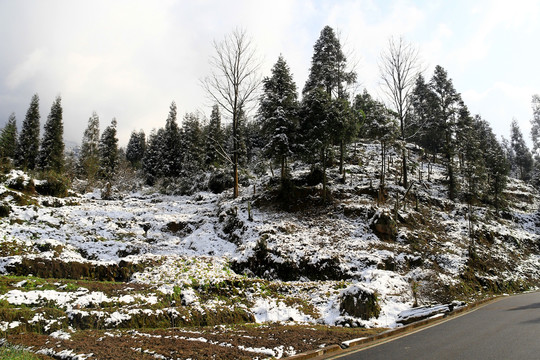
<point>207,253</point>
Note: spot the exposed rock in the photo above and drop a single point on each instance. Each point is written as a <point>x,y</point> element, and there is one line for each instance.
<point>359,302</point>
<point>180,227</point>
<point>384,226</point>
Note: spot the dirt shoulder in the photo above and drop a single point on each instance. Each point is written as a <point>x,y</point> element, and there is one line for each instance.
<point>223,342</point>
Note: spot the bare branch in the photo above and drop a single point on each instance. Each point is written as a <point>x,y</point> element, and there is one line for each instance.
<point>399,68</point>
<point>234,82</point>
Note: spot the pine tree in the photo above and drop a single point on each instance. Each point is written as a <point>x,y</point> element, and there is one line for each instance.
<point>8,139</point>
<point>509,154</point>
<point>242,140</point>
<point>152,163</point>
<point>171,150</point>
<point>254,143</point>
<point>376,120</point>
<point>377,123</point>
<point>51,154</point>
<point>136,148</point>
<point>278,114</point>
<point>423,129</point>
<point>328,66</point>
<point>470,136</point>
<point>108,152</point>
<point>523,159</point>
<point>28,144</point>
<point>316,114</point>
<point>328,72</point>
<point>89,159</point>
<point>495,161</point>
<point>535,136</point>
<point>446,101</point>
<point>192,140</point>
<point>214,143</point>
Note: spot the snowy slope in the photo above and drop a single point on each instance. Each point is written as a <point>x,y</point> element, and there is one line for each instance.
<point>193,243</point>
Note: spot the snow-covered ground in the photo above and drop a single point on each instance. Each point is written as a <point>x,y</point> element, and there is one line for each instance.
<point>190,243</point>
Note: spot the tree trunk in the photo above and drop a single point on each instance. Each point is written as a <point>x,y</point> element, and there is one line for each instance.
<point>404,159</point>
<point>282,168</point>
<point>235,192</point>
<point>341,156</point>
<point>324,176</point>
<point>451,180</point>
<point>235,152</point>
<point>383,155</point>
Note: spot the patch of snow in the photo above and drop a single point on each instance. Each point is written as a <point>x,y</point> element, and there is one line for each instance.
<point>60,334</point>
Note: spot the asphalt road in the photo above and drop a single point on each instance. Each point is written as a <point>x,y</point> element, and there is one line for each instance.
<point>508,328</point>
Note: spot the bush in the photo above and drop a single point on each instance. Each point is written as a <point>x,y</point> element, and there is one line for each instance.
<point>20,184</point>
<point>5,209</point>
<point>315,177</point>
<point>220,181</point>
<point>10,352</point>
<point>54,184</point>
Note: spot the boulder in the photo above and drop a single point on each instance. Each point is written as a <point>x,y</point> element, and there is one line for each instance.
<point>384,226</point>
<point>359,302</point>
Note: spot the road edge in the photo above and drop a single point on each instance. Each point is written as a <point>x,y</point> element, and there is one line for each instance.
<point>364,342</point>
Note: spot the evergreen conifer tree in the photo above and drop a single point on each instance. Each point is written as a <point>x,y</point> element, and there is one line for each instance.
<point>329,72</point>
<point>254,143</point>
<point>508,153</point>
<point>108,152</point>
<point>51,154</point>
<point>171,148</point>
<point>523,161</point>
<point>535,136</point>
<point>89,159</point>
<point>423,129</point>
<point>278,114</point>
<point>470,135</point>
<point>316,113</point>
<point>28,144</point>
<point>238,140</point>
<point>445,108</point>
<point>377,123</point>
<point>192,139</point>
<point>136,148</point>
<point>495,162</point>
<point>214,143</point>
<point>152,161</point>
<point>8,139</point>
<point>328,66</point>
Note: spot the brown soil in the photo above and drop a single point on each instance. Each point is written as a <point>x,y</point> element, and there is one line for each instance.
<point>220,342</point>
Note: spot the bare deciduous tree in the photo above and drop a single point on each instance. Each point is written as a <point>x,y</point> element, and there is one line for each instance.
<point>233,82</point>
<point>399,66</point>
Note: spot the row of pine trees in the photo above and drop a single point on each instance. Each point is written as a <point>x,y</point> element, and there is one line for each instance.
<point>317,129</point>
<point>26,149</point>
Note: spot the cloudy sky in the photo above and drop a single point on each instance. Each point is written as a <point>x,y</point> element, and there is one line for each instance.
<point>130,59</point>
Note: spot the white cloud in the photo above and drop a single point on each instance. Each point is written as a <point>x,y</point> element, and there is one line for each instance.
<point>130,59</point>
<point>491,19</point>
<point>501,103</point>
<point>27,69</point>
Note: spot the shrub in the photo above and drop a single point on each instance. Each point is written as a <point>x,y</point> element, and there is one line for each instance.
<point>20,184</point>
<point>56,185</point>
<point>219,182</point>
<point>10,352</point>
<point>5,209</point>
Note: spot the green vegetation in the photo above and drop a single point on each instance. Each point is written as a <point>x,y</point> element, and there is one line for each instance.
<point>10,352</point>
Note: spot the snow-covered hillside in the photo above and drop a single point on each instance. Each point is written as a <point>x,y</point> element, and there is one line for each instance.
<point>181,258</point>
